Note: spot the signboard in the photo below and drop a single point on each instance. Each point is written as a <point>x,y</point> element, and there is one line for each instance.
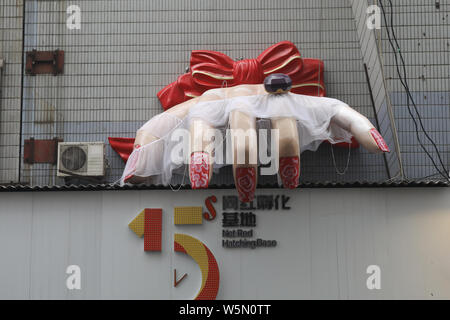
<point>286,244</point>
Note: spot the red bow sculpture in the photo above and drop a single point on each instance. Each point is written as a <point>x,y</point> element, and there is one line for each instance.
<point>211,69</point>
<point>123,146</point>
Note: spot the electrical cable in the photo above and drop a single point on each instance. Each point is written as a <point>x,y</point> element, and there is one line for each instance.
<point>403,80</point>
<point>409,95</point>
<point>405,85</point>
<point>338,172</point>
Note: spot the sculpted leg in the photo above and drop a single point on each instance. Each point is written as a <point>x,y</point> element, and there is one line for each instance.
<point>362,129</point>
<point>245,154</point>
<point>200,167</point>
<point>289,151</point>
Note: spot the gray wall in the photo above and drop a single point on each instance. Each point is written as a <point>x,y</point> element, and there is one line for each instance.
<point>120,59</point>
<point>126,51</point>
<point>384,112</point>
<point>11,13</point>
<point>325,244</point>
<point>423,34</point>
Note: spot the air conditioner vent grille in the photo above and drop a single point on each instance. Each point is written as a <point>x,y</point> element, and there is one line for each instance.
<point>73,158</point>
<point>81,159</point>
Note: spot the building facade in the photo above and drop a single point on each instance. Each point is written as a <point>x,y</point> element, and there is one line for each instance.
<point>126,51</point>
<point>389,222</point>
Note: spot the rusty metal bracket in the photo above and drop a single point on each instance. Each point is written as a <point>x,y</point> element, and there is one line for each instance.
<point>41,151</point>
<point>44,62</point>
<point>175,281</point>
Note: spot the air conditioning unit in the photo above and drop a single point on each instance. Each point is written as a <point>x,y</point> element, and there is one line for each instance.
<point>81,159</point>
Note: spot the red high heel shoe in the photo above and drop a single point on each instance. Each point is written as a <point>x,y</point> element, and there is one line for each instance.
<point>246,183</point>
<point>199,170</point>
<point>290,172</point>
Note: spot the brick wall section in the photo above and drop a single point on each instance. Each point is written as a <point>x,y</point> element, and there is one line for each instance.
<point>11,13</point>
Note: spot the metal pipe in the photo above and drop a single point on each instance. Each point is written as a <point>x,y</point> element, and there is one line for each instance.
<point>379,38</point>
<point>376,117</point>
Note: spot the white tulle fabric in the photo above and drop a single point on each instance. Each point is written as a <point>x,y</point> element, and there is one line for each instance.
<point>313,114</point>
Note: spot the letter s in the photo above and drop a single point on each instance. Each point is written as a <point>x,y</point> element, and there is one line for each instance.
<point>210,208</point>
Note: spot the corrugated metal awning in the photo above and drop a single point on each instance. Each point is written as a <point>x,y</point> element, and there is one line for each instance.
<point>115,187</point>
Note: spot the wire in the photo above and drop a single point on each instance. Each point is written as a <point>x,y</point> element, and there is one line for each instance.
<point>341,173</point>
<point>338,172</point>
<point>403,80</point>
<point>427,177</point>
<point>181,184</point>
<point>404,83</point>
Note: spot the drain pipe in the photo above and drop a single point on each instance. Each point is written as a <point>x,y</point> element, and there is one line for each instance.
<point>376,118</point>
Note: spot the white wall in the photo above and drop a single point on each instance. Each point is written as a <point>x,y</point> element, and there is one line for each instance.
<point>325,244</point>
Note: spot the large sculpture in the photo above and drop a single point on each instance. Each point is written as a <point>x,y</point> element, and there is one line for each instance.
<point>302,123</point>
<point>219,94</point>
